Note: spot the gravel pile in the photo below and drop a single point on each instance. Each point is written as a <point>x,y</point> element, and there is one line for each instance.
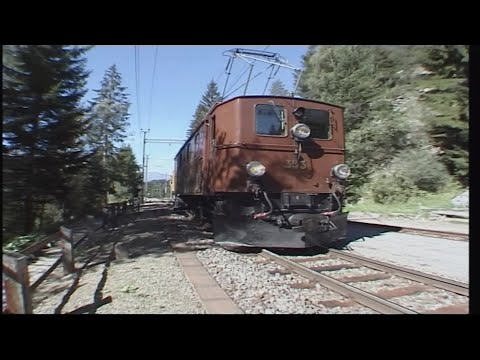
<point>259,287</point>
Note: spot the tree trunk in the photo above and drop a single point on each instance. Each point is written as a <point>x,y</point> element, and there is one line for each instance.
<point>105,142</point>
<point>29,210</point>
<point>42,213</point>
<point>29,214</point>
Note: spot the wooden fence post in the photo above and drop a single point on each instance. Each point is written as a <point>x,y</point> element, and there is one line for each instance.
<point>67,249</point>
<point>115,214</point>
<point>121,252</point>
<point>17,284</point>
<point>91,228</point>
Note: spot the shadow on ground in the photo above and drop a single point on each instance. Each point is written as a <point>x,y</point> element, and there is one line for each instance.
<point>361,231</point>
<point>158,226</point>
<point>150,232</point>
<point>153,232</point>
<point>355,232</point>
<point>157,229</point>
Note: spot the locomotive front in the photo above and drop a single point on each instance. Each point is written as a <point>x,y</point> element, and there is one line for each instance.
<point>288,184</point>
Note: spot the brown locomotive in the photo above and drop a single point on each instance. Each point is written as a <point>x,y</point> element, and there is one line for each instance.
<point>267,171</point>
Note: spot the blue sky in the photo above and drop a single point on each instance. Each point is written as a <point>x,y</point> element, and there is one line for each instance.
<point>167,101</point>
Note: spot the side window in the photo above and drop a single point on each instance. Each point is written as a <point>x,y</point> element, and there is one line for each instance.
<point>213,129</point>
<point>214,124</point>
<point>191,150</point>
<point>197,144</point>
<point>319,123</point>
<point>270,120</point>
<point>201,141</point>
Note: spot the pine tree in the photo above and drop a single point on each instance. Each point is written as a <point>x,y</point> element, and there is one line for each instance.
<point>209,98</point>
<point>278,88</point>
<point>448,61</point>
<point>348,75</point>
<point>88,188</point>
<point>108,122</point>
<point>43,123</point>
<point>448,101</point>
<point>302,89</point>
<point>129,174</point>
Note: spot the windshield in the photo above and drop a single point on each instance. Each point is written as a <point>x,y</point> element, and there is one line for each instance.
<point>269,120</point>
<point>319,123</point>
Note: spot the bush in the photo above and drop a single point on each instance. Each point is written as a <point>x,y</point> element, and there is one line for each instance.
<point>20,242</point>
<point>388,188</point>
<point>411,173</point>
<point>422,167</point>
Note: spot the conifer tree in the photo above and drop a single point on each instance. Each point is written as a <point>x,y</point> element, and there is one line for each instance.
<point>108,124</point>
<point>43,124</point>
<point>209,98</point>
<point>278,88</point>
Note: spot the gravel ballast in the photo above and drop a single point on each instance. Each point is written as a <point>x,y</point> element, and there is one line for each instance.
<point>260,288</point>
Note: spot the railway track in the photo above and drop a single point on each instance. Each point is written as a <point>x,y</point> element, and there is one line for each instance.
<point>450,235</point>
<point>329,271</point>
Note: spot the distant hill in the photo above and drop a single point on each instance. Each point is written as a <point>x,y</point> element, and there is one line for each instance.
<point>157,176</point>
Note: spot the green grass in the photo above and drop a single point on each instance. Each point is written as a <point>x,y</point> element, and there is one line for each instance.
<point>419,205</point>
<point>15,242</point>
<point>21,242</point>
<point>439,83</point>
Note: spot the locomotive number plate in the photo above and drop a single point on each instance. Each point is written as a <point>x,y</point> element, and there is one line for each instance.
<point>294,164</point>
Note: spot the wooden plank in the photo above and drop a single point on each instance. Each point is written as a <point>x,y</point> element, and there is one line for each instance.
<point>40,244</point>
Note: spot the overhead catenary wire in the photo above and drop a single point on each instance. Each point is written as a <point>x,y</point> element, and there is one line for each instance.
<point>257,75</point>
<point>228,70</point>
<point>219,76</point>
<point>270,77</point>
<point>253,55</point>
<point>238,78</point>
<point>137,85</point>
<point>151,89</point>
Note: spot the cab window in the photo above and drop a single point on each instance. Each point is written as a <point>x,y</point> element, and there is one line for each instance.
<point>319,123</point>
<point>270,120</point>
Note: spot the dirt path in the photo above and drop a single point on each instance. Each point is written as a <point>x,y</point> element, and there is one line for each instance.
<point>150,281</point>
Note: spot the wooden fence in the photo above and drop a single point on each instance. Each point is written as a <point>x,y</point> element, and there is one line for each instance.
<point>17,285</point>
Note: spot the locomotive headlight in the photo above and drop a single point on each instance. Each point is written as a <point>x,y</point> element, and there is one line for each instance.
<point>301,131</point>
<point>255,168</point>
<point>341,171</point>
